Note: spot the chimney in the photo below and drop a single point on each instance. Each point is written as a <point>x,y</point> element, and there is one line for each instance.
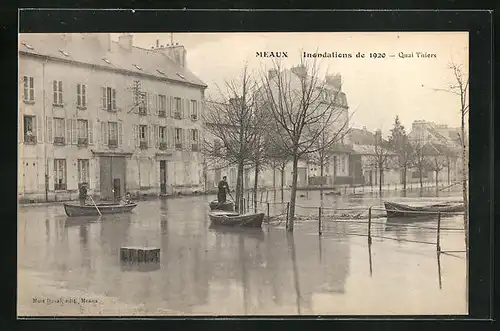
<point>176,53</point>
<point>157,43</point>
<point>272,73</point>
<point>126,41</point>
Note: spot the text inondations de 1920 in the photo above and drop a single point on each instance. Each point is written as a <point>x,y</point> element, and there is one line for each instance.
<point>351,55</point>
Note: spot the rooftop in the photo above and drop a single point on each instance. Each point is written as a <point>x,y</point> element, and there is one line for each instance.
<point>88,49</point>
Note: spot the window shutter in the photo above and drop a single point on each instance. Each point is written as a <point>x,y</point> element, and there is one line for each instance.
<point>54,90</point>
<point>68,131</point>
<point>187,110</point>
<point>157,135</point>
<point>185,139</point>
<point>48,127</point>
<point>183,109</point>
<point>84,95</point>
<point>91,132</point>
<point>138,136</point>
<point>74,132</point>
<point>38,128</point>
<point>156,100</point>
<point>150,135</point>
<point>60,92</point>
<point>104,133</point>
<point>170,137</point>
<point>78,94</point>
<point>171,106</point>
<point>113,98</point>
<point>103,98</point>
<point>120,134</point>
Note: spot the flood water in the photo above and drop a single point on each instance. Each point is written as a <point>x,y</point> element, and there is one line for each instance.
<point>204,271</point>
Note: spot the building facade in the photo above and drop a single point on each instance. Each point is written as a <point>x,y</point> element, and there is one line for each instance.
<point>117,117</point>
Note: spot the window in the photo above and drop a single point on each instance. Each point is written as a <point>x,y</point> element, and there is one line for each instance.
<point>178,138</point>
<point>194,135</point>
<point>177,108</point>
<point>63,52</point>
<point>143,132</point>
<point>57,89</point>
<point>108,98</point>
<point>83,129</point>
<point>113,133</point>
<point>59,174</point>
<point>28,89</point>
<point>162,103</point>
<point>138,67</point>
<point>83,171</point>
<point>106,60</point>
<point>162,134</point>
<point>58,127</point>
<point>143,103</point>
<point>194,110</point>
<point>181,76</point>
<point>29,129</point>
<point>81,95</point>
<point>217,146</point>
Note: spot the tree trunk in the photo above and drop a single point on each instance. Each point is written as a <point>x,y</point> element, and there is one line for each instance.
<point>404,177</point>
<point>293,193</point>
<point>282,182</point>
<point>255,186</point>
<point>321,173</point>
<point>437,182</point>
<point>420,177</point>
<point>239,187</point>
<point>464,181</point>
<point>380,172</point>
<point>448,168</point>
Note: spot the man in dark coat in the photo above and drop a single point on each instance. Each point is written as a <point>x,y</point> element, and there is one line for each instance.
<point>223,189</point>
<point>82,196</point>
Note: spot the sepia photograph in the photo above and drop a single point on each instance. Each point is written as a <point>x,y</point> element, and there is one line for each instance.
<point>243,174</point>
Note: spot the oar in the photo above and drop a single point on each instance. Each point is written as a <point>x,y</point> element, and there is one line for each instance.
<point>95,205</point>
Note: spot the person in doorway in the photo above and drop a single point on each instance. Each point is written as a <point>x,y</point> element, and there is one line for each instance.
<point>223,190</point>
<point>82,196</point>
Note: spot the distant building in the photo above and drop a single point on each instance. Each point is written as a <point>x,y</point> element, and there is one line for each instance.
<point>110,114</point>
<point>363,143</point>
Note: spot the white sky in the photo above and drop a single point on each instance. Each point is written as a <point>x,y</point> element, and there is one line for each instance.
<point>377,89</point>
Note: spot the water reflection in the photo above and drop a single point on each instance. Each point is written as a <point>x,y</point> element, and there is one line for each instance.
<point>438,254</point>
<point>207,270</point>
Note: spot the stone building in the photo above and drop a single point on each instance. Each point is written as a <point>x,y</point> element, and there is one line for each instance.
<point>110,114</point>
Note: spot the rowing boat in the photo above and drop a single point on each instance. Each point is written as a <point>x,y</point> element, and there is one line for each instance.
<point>225,206</point>
<point>73,210</point>
<point>401,210</point>
<point>236,219</point>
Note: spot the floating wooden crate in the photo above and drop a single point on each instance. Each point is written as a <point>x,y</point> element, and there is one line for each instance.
<point>140,254</point>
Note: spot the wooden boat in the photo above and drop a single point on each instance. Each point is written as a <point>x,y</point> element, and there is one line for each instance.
<point>225,206</point>
<point>235,219</point>
<point>401,210</point>
<point>73,210</point>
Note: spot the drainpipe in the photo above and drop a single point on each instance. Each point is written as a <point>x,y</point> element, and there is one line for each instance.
<point>45,133</point>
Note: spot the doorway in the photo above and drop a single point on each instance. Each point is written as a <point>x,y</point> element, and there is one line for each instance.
<point>163,177</point>
<point>117,189</point>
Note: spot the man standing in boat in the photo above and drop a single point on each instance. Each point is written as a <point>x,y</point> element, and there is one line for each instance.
<point>82,196</point>
<point>223,189</point>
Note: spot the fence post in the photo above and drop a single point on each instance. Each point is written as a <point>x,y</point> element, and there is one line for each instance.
<point>370,225</point>
<point>438,241</point>
<point>319,222</point>
<point>248,198</point>
<point>268,212</point>
<point>267,195</point>
<point>243,205</point>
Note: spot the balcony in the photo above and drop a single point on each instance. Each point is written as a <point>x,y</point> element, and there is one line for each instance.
<point>29,139</point>
<point>162,113</point>
<point>143,144</point>
<point>59,187</point>
<point>163,145</point>
<point>83,142</point>
<point>113,143</point>
<point>194,117</point>
<point>177,115</point>
<point>194,147</point>
<point>59,141</point>
<point>178,145</point>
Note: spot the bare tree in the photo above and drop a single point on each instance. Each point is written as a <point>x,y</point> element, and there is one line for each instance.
<point>398,141</point>
<point>420,161</point>
<point>294,99</point>
<point>380,155</point>
<point>232,121</point>
<point>437,160</point>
